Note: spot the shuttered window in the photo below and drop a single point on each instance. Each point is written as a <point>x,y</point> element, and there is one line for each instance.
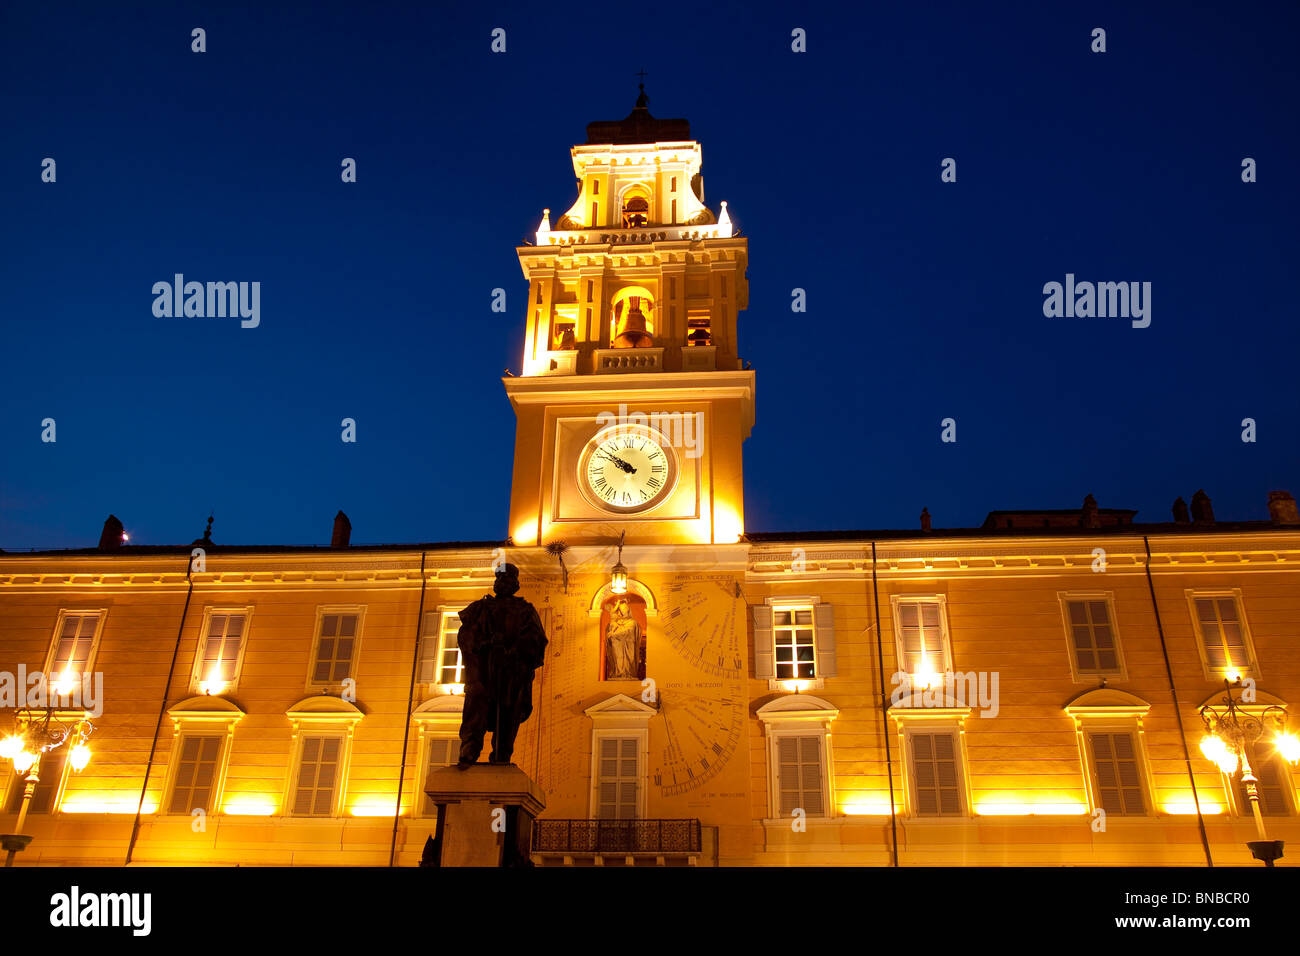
<point>441,752</point>
<point>50,774</point>
<point>792,631</point>
<point>221,647</point>
<point>936,775</point>
<point>335,647</point>
<point>1221,633</point>
<point>196,774</point>
<point>74,644</point>
<point>617,778</point>
<point>799,776</point>
<point>1092,637</point>
<point>922,648</point>
<point>1272,778</point>
<point>318,774</point>
<point>1119,779</point>
<point>440,660</point>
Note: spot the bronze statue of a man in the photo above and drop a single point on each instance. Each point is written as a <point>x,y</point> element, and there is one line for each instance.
<point>501,644</point>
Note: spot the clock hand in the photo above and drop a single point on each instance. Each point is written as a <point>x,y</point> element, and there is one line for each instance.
<point>628,469</point>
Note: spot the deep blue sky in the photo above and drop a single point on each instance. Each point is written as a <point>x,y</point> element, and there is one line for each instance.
<point>924,298</point>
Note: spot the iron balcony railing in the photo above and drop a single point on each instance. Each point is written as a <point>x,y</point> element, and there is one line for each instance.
<point>616,836</point>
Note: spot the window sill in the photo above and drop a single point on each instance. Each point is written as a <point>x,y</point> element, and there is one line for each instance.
<point>796,685</point>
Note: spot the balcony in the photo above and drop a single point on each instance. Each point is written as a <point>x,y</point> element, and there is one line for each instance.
<point>623,840</point>
<point>629,360</point>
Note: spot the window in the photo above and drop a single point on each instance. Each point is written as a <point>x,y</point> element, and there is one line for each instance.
<point>1117,775</point>
<point>794,640</point>
<point>1093,643</point>
<point>922,634</point>
<point>936,774</point>
<point>338,632</point>
<point>439,752</point>
<point>798,732</point>
<point>618,776</point>
<point>45,797</point>
<point>1274,782</point>
<point>620,751</point>
<point>1222,634</point>
<point>315,790</point>
<point>799,776</point>
<point>792,631</point>
<point>595,187</point>
<point>440,659</point>
<point>221,651</point>
<point>76,636</point>
<point>198,764</point>
<point>1108,727</point>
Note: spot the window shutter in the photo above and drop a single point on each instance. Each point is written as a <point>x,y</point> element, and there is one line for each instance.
<point>51,775</point>
<point>443,752</point>
<point>317,775</point>
<point>824,629</point>
<point>1210,635</point>
<point>935,775</point>
<point>788,775</point>
<point>1119,782</point>
<point>764,649</point>
<point>1272,800</point>
<point>799,776</point>
<point>617,781</point>
<point>427,670</point>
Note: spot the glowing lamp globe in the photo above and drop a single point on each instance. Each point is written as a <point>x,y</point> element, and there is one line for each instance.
<point>79,756</point>
<point>23,760</point>
<point>11,747</point>
<point>1288,746</point>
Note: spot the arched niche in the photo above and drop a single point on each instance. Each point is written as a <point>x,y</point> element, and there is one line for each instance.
<point>624,630</point>
<point>633,587</point>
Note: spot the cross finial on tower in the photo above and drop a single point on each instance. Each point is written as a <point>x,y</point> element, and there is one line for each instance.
<point>642,74</point>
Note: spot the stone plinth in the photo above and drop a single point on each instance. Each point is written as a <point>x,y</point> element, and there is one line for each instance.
<point>470,831</point>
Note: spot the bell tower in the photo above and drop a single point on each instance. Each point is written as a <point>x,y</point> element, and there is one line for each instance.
<point>632,407</point>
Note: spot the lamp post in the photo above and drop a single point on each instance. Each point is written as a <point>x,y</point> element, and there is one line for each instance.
<point>33,736</point>
<point>1231,733</point>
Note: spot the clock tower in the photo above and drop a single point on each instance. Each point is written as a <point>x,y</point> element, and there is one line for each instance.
<point>632,406</point>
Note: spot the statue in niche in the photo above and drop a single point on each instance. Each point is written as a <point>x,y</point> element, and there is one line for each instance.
<point>623,638</point>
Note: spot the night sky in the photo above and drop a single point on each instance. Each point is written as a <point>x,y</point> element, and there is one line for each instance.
<point>925,299</point>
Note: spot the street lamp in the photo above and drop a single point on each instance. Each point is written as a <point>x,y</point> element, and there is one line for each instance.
<point>33,736</point>
<point>1231,734</point>
<point>618,574</point>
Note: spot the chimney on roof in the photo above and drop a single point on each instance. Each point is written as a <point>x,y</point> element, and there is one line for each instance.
<point>1181,515</point>
<point>1282,508</point>
<point>110,539</point>
<point>925,519</point>
<point>1202,510</point>
<point>1089,517</point>
<point>342,531</point>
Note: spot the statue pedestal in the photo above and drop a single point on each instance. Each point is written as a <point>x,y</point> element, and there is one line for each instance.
<point>485,816</point>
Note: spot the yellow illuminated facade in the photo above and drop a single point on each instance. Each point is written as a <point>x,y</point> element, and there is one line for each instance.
<point>1026,693</point>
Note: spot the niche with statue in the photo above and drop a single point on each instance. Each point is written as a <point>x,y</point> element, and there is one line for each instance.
<point>622,637</point>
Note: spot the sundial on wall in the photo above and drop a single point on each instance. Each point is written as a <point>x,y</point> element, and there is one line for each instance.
<point>704,713</point>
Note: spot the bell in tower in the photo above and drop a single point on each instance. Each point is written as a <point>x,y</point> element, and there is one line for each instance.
<point>634,332</point>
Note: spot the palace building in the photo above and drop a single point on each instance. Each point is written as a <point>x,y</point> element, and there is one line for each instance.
<point>1025,692</point>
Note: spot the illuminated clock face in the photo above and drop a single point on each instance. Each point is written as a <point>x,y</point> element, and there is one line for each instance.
<point>627,469</point>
